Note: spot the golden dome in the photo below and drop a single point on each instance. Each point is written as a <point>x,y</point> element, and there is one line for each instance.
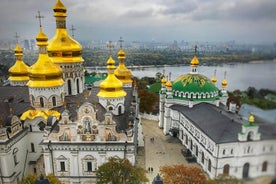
<point>251,118</point>
<point>44,73</point>
<point>19,71</point>
<point>169,84</point>
<point>224,83</point>
<point>163,80</point>
<point>122,72</point>
<point>111,87</point>
<point>59,9</point>
<point>194,61</point>
<point>214,80</point>
<point>62,48</point>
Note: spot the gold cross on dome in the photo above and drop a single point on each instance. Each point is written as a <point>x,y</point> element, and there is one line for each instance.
<point>195,49</point>
<point>72,30</point>
<point>110,46</point>
<point>16,37</point>
<point>39,17</point>
<point>121,42</point>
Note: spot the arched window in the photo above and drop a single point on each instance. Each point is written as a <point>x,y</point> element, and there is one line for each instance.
<point>120,110</point>
<point>249,136</point>
<point>191,145</point>
<point>223,152</point>
<point>54,101</point>
<point>78,86</point>
<point>209,165</point>
<point>245,171</point>
<point>202,158</point>
<point>186,139</point>
<point>264,166</point>
<point>33,100</point>
<point>32,147</point>
<point>226,169</point>
<point>196,150</point>
<point>69,86</point>
<point>41,101</point>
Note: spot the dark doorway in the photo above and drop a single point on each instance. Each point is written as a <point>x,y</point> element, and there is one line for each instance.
<point>245,172</point>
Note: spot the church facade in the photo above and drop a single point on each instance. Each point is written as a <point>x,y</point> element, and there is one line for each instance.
<point>206,122</point>
<point>50,122</point>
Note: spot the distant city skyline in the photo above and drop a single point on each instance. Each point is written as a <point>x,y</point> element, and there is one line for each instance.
<point>248,21</point>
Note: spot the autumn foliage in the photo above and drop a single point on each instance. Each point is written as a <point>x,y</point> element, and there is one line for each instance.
<point>120,171</point>
<point>181,174</point>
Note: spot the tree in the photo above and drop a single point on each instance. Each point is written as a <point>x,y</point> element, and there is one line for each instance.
<point>29,179</point>
<point>118,170</point>
<point>53,179</point>
<point>181,174</point>
<point>147,100</point>
<point>32,178</point>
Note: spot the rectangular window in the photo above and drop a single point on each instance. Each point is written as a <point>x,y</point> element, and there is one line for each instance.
<point>62,166</point>
<point>89,166</point>
<point>32,147</point>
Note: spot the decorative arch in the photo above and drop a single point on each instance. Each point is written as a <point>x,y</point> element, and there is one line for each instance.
<point>250,136</point>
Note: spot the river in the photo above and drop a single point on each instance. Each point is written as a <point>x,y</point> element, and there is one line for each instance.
<point>239,76</point>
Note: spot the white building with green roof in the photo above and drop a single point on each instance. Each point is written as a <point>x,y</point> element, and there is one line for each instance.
<point>193,109</point>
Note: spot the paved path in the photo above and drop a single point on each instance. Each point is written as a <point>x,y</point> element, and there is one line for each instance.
<point>163,150</point>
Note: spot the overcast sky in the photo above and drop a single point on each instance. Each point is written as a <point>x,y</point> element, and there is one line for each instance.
<point>250,21</point>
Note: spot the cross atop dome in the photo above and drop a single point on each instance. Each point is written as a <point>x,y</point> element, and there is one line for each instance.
<point>16,36</point>
<point>121,41</point>
<point>72,29</point>
<point>39,17</point>
<point>195,49</point>
<point>110,46</point>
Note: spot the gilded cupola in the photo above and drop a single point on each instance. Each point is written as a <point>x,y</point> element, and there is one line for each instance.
<point>62,48</point>
<point>224,81</point>
<point>44,73</point>
<point>19,71</point>
<point>111,87</point>
<point>122,72</point>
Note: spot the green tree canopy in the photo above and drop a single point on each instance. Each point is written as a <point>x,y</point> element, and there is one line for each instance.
<point>120,171</point>
<point>147,100</point>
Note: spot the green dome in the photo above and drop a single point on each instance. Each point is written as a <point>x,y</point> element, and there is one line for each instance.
<point>194,86</point>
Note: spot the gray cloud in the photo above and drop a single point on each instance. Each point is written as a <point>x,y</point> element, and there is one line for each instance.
<point>144,19</point>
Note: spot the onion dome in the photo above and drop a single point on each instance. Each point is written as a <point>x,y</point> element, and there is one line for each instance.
<point>214,79</point>
<point>251,119</point>
<point>122,73</point>
<point>19,71</point>
<point>195,84</point>
<point>224,82</point>
<point>163,81</point>
<point>44,73</point>
<point>111,87</point>
<point>169,84</point>
<point>194,61</point>
<point>62,48</point>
